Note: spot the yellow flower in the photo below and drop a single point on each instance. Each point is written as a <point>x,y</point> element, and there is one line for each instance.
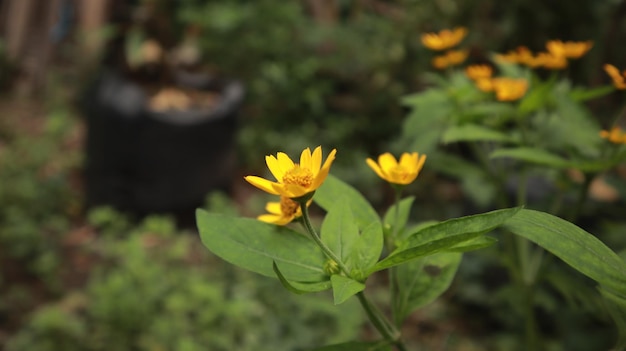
<point>450,58</point>
<point>283,212</point>
<point>615,135</point>
<point>568,49</point>
<point>295,180</point>
<point>478,72</point>
<point>445,39</point>
<point>401,173</point>
<point>521,55</point>
<point>550,61</point>
<point>509,89</point>
<point>484,84</point>
<point>618,78</point>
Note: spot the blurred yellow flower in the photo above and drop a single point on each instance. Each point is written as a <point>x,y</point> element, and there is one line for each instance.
<point>283,212</point>
<point>295,180</point>
<point>509,89</point>
<point>445,39</point>
<point>618,78</point>
<point>476,72</point>
<point>521,55</point>
<point>615,135</point>
<point>484,84</point>
<point>403,172</point>
<point>550,61</point>
<point>450,58</point>
<point>568,49</point>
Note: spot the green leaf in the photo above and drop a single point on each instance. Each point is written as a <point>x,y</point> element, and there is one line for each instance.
<point>533,155</point>
<point>478,223</point>
<point>333,189</point>
<point>403,212</point>
<point>423,280</point>
<point>473,132</point>
<point>300,288</point>
<point>255,246</point>
<point>584,94</point>
<point>537,97</point>
<point>401,256</point>
<point>339,230</point>
<point>366,251</point>
<point>545,158</point>
<point>475,244</point>
<point>344,288</point>
<point>358,346</point>
<point>444,236</point>
<point>581,250</point>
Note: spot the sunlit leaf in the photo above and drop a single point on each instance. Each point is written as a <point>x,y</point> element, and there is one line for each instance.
<point>255,246</point>
<point>334,188</point>
<point>444,236</point>
<point>581,250</point>
<point>339,229</point>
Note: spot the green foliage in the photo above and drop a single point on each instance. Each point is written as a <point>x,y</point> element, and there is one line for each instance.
<point>155,290</point>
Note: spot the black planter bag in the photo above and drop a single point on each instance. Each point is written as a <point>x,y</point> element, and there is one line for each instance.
<point>144,161</point>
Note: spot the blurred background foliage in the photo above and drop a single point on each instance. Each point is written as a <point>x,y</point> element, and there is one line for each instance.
<point>328,73</point>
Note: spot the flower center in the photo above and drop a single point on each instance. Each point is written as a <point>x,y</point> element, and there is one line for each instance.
<point>298,175</point>
<point>288,207</point>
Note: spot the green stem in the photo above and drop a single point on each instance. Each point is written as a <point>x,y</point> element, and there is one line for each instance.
<point>532,340</point>
<point>391,243</point>
<point>318,241</point>
<point>386,329</point>
<point>379,321</point>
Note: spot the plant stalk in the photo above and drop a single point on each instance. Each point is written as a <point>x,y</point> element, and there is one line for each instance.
<point>386,329</point>
<point>327,251</point>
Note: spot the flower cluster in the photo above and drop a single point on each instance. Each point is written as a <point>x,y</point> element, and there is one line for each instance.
<point>505,89</point>
<point>444,40</point>
<point>555,57</point>
<point>297,182</point>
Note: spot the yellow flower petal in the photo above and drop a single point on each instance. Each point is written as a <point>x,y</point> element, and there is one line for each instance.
<point>305,159</point>
<point>262,184</point>
<point>316,160</point>
<point>285,162</point>
<point>274,219</point>
<point>274,166</point>
<point>323,172</point>
<point>273,207</point>
<point>387,162</point>
<point>409,161</point>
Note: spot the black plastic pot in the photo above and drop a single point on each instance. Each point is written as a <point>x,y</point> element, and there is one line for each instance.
<point>143,161</point>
